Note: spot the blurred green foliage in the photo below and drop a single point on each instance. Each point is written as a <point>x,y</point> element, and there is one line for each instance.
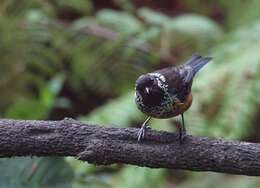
<point>81,58</point>
<point>32,172</point>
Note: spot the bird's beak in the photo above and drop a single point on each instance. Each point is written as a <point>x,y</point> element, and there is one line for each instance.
<point>147,89</point>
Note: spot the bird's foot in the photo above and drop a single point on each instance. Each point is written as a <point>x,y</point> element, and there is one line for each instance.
<point>141,132</point>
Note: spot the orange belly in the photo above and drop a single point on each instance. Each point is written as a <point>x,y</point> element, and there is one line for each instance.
<point>179,108</point>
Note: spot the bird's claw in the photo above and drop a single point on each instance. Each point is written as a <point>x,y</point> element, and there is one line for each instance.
<point>141,133</point>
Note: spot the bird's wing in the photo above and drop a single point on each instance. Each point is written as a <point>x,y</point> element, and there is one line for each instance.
<point>179,81</point>
<point>185,81</point>
<point>186,73</point>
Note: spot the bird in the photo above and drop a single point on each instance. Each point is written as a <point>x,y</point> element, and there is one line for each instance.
<point>166,93</point>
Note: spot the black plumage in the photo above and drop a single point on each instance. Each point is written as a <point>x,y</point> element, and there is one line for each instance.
<point>166,92</point>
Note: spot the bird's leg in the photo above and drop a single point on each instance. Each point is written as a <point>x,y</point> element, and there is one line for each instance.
<point>182,131</point>
<point>141,132</point>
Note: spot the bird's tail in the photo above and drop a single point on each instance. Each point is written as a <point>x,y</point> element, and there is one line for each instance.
<point>196,62</point>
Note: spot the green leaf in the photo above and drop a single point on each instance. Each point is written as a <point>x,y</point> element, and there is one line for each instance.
<point>82,6</point>
<point>27,108</point>
<point>119,112</point>
<point>153,17</point>
<point>37,108</point>
<point>193,27</point>
<point>40,172</point>
<point>120,21</point>
<point>48,93</point>
<point>132,176</point>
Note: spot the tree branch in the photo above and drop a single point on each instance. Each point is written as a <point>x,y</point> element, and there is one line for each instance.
<point>104,146</point>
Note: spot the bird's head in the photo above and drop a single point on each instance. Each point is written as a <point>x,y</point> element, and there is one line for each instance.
<point>151,88</point>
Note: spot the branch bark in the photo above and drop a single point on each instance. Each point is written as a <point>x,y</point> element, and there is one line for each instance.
<point>104,146</point>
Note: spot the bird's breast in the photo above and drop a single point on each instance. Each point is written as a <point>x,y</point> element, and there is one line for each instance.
<point>154,107</point>
<point>166,109</point>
